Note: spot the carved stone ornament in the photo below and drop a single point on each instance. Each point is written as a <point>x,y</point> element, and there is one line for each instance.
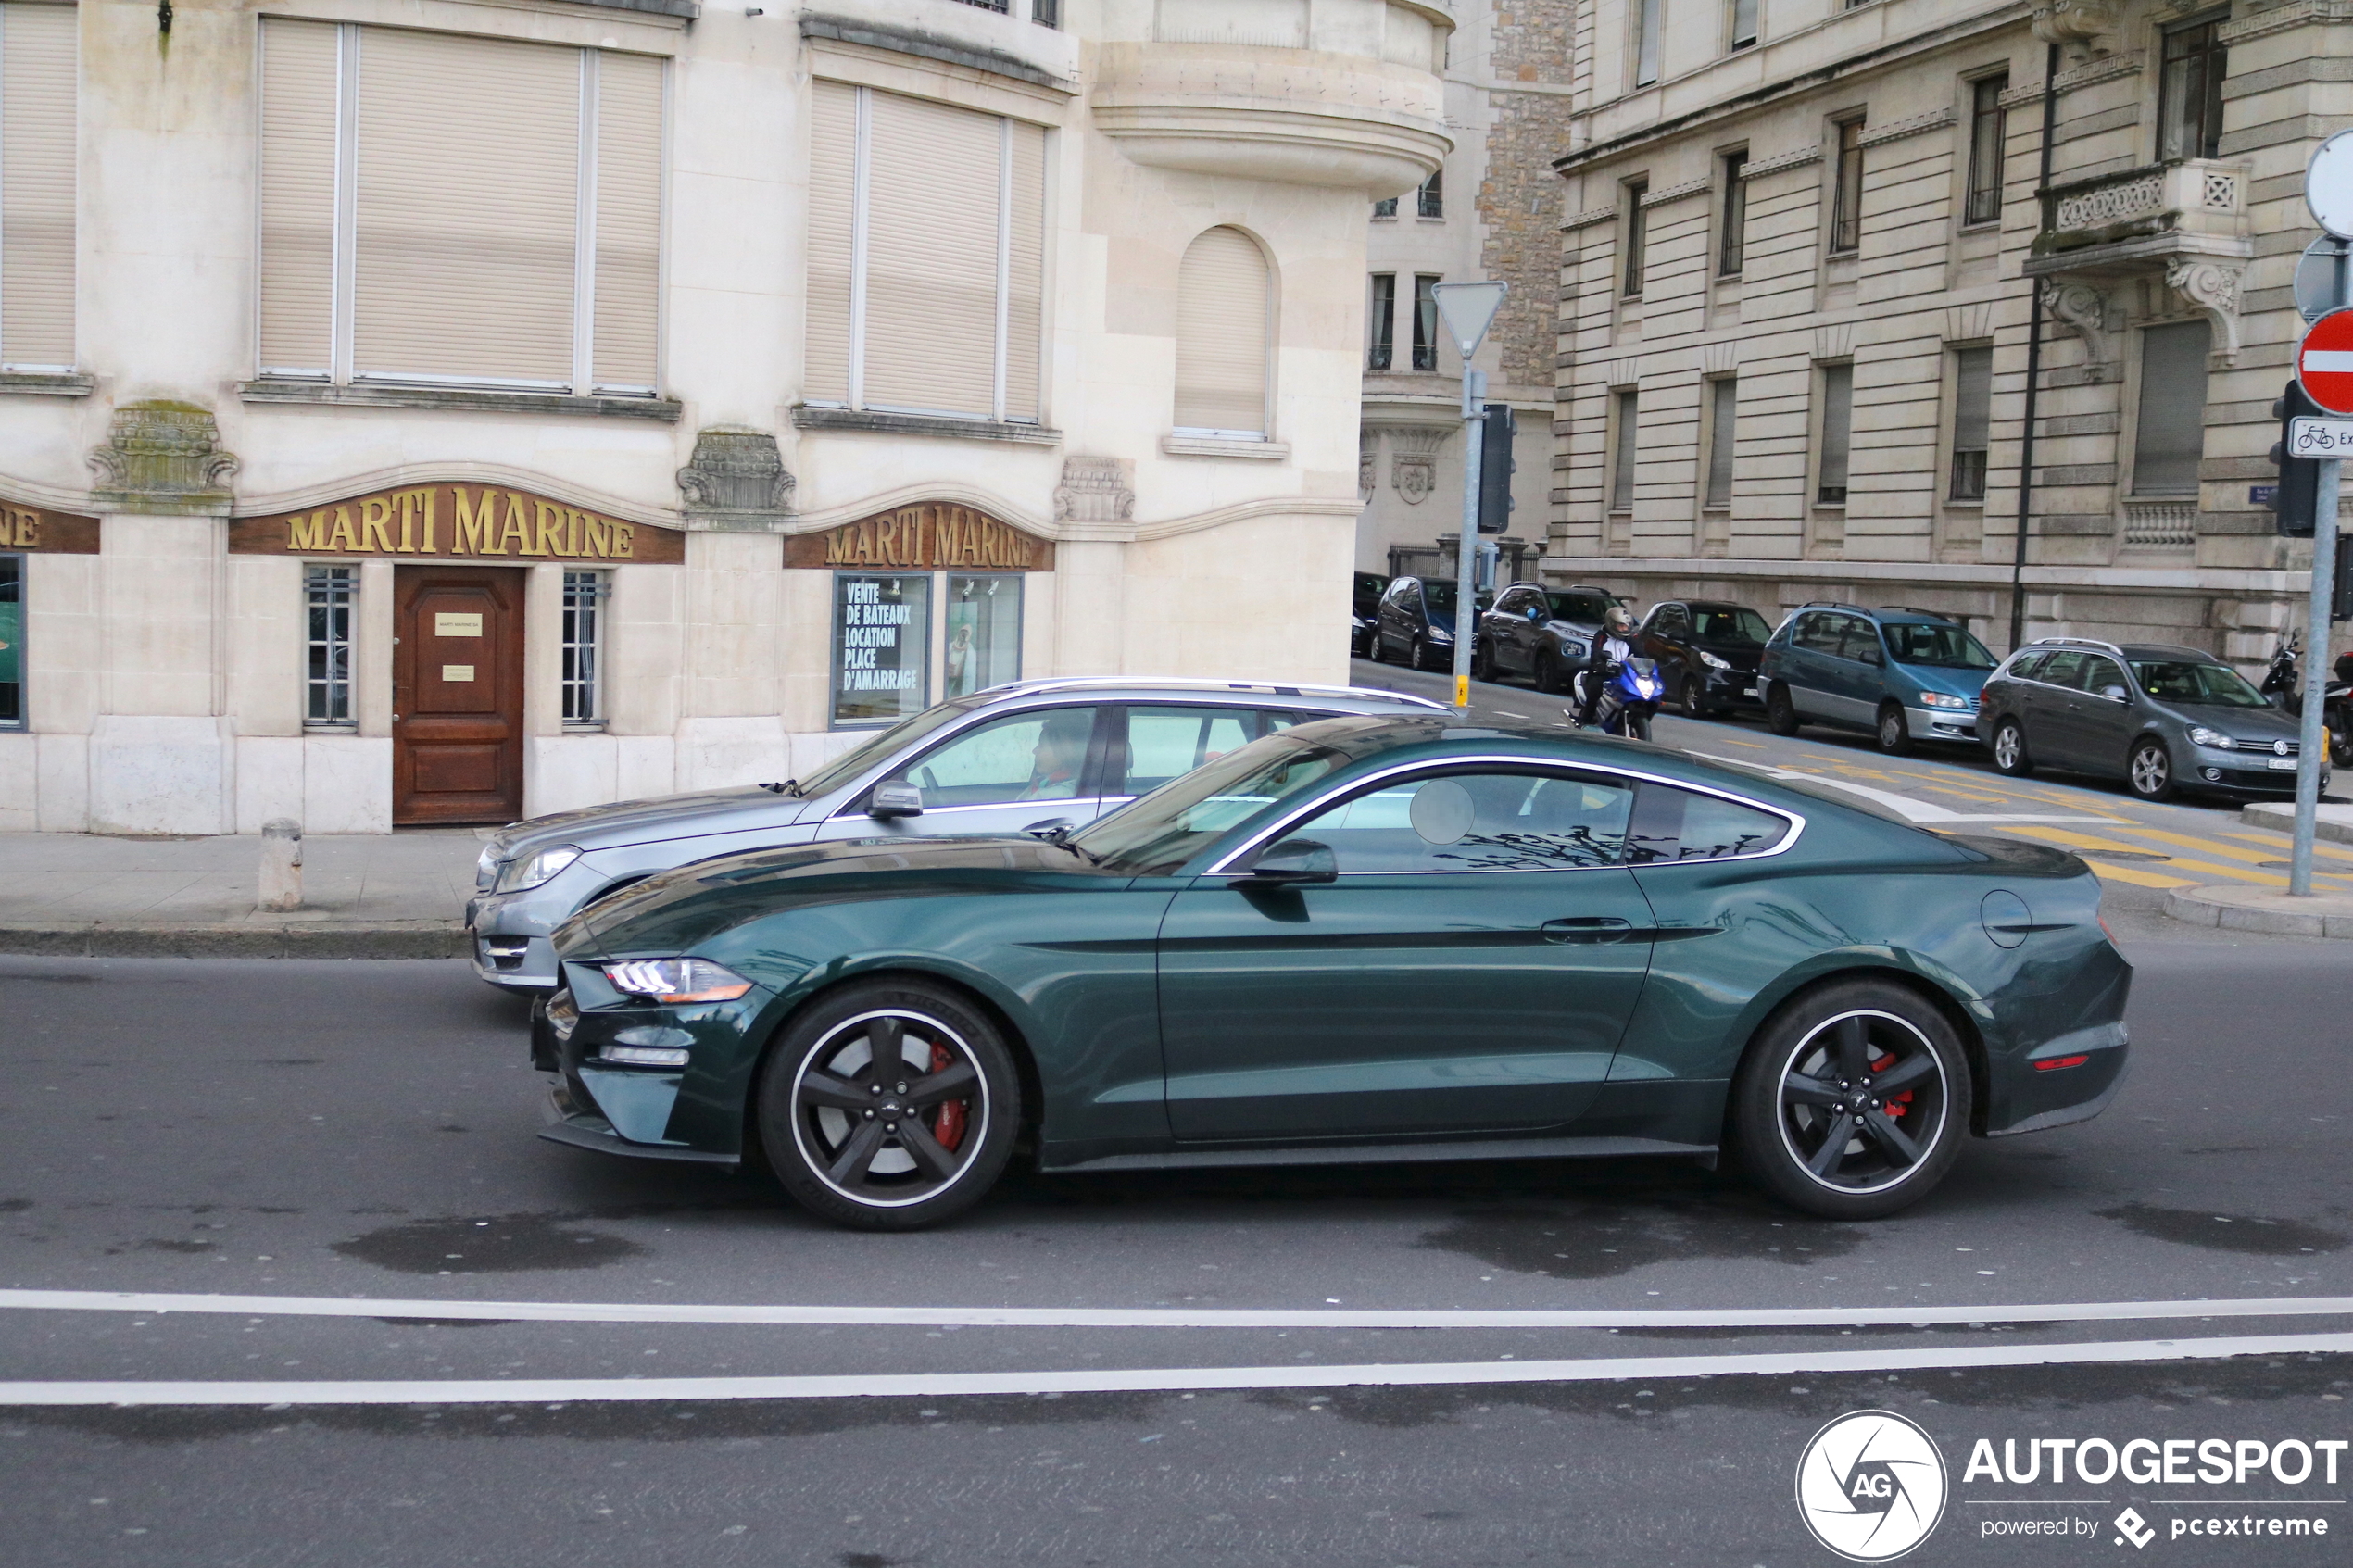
<point>1095,490</point>
<point>1413,460</point>
<point>2074,21</point>
<point>2212,288</point>
<point>163,458</point>
<point>736,480</point>
<point>2082,309</point>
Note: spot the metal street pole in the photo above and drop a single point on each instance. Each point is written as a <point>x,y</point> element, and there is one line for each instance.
<point>1467,555</point>
<point>2312,738</point>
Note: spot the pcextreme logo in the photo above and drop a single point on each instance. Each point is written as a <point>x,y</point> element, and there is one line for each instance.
<point>1871,1485</point>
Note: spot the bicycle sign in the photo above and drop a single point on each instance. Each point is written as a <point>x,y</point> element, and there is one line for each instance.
<point>2319,438</point>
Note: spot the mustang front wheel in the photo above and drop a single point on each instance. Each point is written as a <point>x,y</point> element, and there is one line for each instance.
<point>1853,1103</point>
<point>889,1106</point>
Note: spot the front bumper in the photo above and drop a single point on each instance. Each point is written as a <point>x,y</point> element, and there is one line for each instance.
<point>2230,771</point>
<point>510,946</point>
<point>692,1114</point>
<point>1942,723</point>
<point>1734,688</point>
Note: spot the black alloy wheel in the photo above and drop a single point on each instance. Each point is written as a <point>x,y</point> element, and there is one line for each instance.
<point>2150,770</point>
<point>1781,713</point>
<point>889,1105</point>
<point>2010,750</point>
<point>1854,1101</point>
<point>1483,661</point>
<point>1693,698</point>
<point>1548,673</point>
<point>1894,732</point>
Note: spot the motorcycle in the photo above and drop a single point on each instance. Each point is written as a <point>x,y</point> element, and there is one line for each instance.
<point>2282,687</point>
<point>1630,695</point>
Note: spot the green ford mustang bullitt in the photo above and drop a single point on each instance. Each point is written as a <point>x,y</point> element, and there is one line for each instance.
<point>1363,939</point>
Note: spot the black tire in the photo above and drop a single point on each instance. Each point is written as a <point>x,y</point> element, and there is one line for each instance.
<point>2340,739</point>
<point>2148,770</point>
<point>1381,647</point>
<point>1893,733</point>
<point>2010,755</point>
<point>1548,673</point>
<point>824,1114</point>
<point>1692,698</point>
<point>1855,1046</point>
<point>1416,653</point>
<point>1638,724</point>
<point>1483,661</point>
<point>1781,713</point>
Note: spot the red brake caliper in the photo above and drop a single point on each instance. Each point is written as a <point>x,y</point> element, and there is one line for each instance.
<point>1896,1104</point>
<point>948,1130</point>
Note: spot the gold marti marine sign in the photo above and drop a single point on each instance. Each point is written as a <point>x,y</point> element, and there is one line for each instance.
<point>933,537</point>
<point>40,530</point>
<point>457,522</point>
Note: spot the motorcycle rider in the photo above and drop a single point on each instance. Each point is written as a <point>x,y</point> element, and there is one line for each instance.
<point>1612,647</point>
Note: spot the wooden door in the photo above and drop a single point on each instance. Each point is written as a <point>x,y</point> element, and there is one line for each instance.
<point>456,695</point>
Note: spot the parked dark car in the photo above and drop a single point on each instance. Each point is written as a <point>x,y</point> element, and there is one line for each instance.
<point>1899,674</point>
<point>1414,624</point>
<point>1361,940</point>
<point>1545,633</point>
<point>1365,613</point>
<point>2162,719</point>
<point>1706,651</point>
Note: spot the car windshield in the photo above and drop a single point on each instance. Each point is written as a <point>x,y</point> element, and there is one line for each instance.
<point>2195,682</point>
<point>1588,608</point>
<point>1438,597</point>
<point>1157,832</point>
<point>1937,643</point>
<point>860,758</point>
<point>1737,625</point>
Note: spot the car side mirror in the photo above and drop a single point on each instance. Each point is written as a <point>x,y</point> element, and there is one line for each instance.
<point>1053,830</point>
<point>895,797</point>
<point>2115,694</point>
<point>1295,860</point>
<point>1535,612</point>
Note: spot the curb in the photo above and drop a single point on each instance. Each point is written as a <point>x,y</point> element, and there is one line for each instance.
<point>236,939</point>
<point>2234,911</point>
<point>2334,823</point>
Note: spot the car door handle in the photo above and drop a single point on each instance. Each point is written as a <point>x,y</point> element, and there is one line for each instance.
<point>1588,929</point>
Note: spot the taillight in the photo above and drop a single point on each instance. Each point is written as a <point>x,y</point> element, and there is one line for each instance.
<point>2058,1061</point>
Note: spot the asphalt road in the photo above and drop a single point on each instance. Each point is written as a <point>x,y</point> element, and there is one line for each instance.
<point>354,1140</point>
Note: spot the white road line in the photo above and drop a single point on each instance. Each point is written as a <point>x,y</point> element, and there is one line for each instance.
<point>589,1390</point>
<point>1166,1317</point>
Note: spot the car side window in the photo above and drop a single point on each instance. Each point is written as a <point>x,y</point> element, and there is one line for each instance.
<point>1859,641</point>
<point>1817,633</point>
<point>1476,821</point>
<point>2101,674</point>
<point>1670,621</point>
<point>2064,670</point>
<point>1165,742</point>
<point>2029,667</point>
<point>1033,756</point>
<point>1673,824</point>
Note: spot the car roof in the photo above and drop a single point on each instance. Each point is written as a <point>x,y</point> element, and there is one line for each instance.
<point>2167,650</point>
<point>1175,686</point>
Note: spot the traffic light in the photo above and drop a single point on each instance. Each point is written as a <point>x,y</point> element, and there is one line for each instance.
<point>2295,499</point>
<point>2341,599</point>
<point>1495,468</point>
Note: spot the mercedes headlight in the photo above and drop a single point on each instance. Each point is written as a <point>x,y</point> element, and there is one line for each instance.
<point>1440,635</point>
<point>531,870</point>
<point>1712,661</point>
<point>2215,738</point>
<point>486,869</point>
<point>1943,700</point>
<point>676,980</point>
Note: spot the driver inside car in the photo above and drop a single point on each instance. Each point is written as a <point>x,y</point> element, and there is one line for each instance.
<point>1061,753</point>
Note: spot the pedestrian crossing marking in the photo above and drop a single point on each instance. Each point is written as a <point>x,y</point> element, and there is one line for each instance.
<point>2086,841</point>
<point>2206,846</point>
<point>2329,851</point>
<point>2136,876</point>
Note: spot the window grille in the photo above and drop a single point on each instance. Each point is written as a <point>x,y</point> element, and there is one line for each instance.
<point>1635,192</point>
<point>584,593</point>
<point>1846,199</point>
<point>330,593</point>
<point>1431,199</point>
<point>1732,244</point>
<point>1986,145</point>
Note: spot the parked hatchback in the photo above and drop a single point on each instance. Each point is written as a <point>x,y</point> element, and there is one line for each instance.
<point>999,761</point>
<point>2162,719</point>
<point>1707,651</point>
<point>1365,612</point>
<point>1545,633</point>
<point>1414,623</point>
<point>1899,674</point>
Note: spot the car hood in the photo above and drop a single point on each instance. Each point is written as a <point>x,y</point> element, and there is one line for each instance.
<point>645,821</point>
<point>679,911</point>
<point>1970,684</point>
<point>2266,724</point>
<point>1739,656</point>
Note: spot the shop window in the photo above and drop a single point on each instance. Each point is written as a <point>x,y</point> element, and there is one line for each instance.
<point>1722,415</point>
<point>983,633</point>
<point>2189,114</point>
<point>1846,190</point>
<point>1426,323</point>
<point>329,593</point>
<point>514,244</point>
<point>882,636</point>
<point>1972,420</point>
<point>11,641</point>
<point>926,256</point>
<point>2168,436</point>
<point>1380,323</point>
<point>1622,459</point>
<point>1224,320</point>
<point>584,632</point>
<point>1732,243</point>
<point>1838,425</point>
<point>37,72</point>
<point>1987,144</point>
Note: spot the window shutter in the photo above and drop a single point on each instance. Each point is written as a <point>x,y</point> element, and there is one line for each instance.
<point>37,72</point>
<point>1222,336</point>
<point>1838,422</point>
<point>468,198</point>
<point>1025,272</point>
<point>1972,398</point>
<point>298,102</point>
<point>833,179</point>
<point>1622,475</point>
<point>2170,435</point>
<point>1720,432</point>
<point>933,180</point>
<point>628,221</point>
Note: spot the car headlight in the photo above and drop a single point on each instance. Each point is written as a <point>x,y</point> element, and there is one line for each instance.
<point>1943,700</point>
<point>1712,661</point>
<point>2215,738</point>
<point>533,870</point>
<point>486,869</point>
<point>677,979</point>
<point>1440,635</point>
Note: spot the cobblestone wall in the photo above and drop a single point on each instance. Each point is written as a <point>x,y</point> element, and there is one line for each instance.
<point>1519,200</point>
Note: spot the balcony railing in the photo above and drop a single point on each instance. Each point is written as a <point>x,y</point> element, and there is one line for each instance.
<point>2192,197</point>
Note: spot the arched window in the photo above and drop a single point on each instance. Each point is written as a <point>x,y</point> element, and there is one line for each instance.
<point>1225,329</point>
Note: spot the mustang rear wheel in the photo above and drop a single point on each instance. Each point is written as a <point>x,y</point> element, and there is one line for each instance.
<point>1851,1103</point>
<point>889,1105</point>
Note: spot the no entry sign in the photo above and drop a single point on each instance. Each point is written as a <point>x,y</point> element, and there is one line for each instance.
<point>2324,361</point>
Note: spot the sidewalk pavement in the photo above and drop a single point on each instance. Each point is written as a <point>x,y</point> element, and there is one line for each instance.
<point>396,895</point>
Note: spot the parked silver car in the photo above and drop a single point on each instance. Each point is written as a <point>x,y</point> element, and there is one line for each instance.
<point>1003,760</point>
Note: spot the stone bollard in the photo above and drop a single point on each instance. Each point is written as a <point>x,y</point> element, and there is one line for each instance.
<point>282,864</point>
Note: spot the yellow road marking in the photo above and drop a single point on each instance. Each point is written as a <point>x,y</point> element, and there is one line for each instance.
<point>2204,846</point>
<point>2086,841</point>
<point>2136,876</point>
<point>2282,843</point>
<point>1745,745</point>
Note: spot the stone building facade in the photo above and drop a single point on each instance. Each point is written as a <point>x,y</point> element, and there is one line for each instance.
<point>445,411</point>
<point>1802,246</point>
